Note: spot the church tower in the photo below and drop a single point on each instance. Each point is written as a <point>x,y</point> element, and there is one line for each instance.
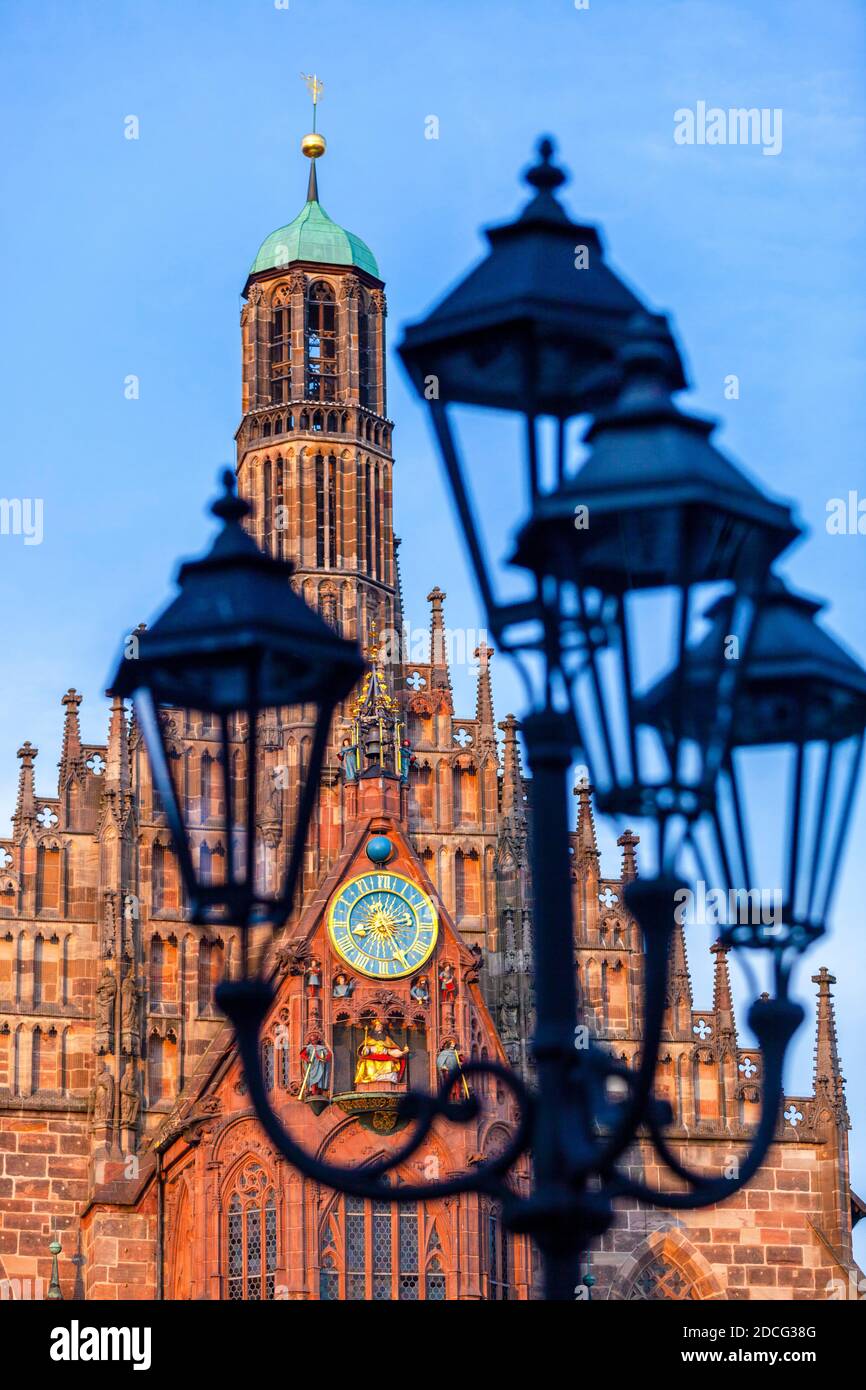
<point>314,444</point>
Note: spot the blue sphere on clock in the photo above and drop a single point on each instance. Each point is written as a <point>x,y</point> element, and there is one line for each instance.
<point>379,849</point>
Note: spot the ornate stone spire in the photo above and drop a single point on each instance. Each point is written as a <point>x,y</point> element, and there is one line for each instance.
<point>585,841</point>
<point>484,693</point>
<point>117,756</point>
<point>70,754</point>
<point>628,843</point>
<point>680,982</point>
<point>513,806</point>
<point>440,674</point>
<point>723,1003</point>
<point>25,806</point>
<point>828,1079</point>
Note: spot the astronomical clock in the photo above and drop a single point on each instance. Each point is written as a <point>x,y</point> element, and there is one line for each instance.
<point>383,925</point>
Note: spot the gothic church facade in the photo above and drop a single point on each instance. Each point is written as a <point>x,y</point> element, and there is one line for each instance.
<point>125,1126</point>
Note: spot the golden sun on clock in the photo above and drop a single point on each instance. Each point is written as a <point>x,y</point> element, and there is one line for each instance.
<point>383,925</point>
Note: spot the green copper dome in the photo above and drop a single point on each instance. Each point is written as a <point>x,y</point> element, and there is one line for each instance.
<point>312,236</point>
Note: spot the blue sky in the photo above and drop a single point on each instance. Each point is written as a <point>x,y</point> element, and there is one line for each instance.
<point>127,257</point>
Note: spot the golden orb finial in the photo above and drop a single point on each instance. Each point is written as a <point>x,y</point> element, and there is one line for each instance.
<point>313,145</point>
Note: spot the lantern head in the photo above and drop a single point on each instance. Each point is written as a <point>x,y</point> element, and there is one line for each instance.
<point>236,643</point>
<point>654,524</point>
<point>787,782</point>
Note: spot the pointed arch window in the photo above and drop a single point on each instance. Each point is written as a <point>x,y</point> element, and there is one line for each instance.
<point>157,971</point>
<point>161,1066</point>
<point>320,510</point>
<point>371,1251</point>
<point>321,343</point>
<point>281,354</point>
<point>329,1278</point>
<point>38,968</point>
<point>50,879</point>
<point>211,789</point>
<point>434,1274</point>
<point>251,1237</point>
<point>166,880</point>
<point>366,358</point>
<point>36,1060</point>
<point>662,1280</point>
<point>498,1257</point>
<point>368,511</point>
<point>211,967</point>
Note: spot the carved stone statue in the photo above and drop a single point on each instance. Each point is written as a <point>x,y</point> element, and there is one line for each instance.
<point>103,1098</point>
<point>106,993</point>
<point>130,1101</point>
<point>129,997</point>
<point>509,1011</point>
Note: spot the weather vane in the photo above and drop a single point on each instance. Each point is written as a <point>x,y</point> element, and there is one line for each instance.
<point>315,89</point>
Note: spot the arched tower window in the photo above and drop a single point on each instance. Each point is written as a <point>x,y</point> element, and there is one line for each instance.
<point>326,510</point>
<point>321,343</point>
<point>320,510</point>
<point>281,354</point>
<point>366,358</point>
<point>251,1236</point>
<point>369,532</point>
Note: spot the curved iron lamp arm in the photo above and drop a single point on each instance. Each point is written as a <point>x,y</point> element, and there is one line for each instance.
<point>246,1003</point>
<point>774,1022</point>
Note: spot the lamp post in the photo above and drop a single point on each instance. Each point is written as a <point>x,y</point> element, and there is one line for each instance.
<point>530,330</point>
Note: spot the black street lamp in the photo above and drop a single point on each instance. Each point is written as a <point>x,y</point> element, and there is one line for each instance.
<point>656,512</point>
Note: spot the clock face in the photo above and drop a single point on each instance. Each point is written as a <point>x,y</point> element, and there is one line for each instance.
<point>382,925</point>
